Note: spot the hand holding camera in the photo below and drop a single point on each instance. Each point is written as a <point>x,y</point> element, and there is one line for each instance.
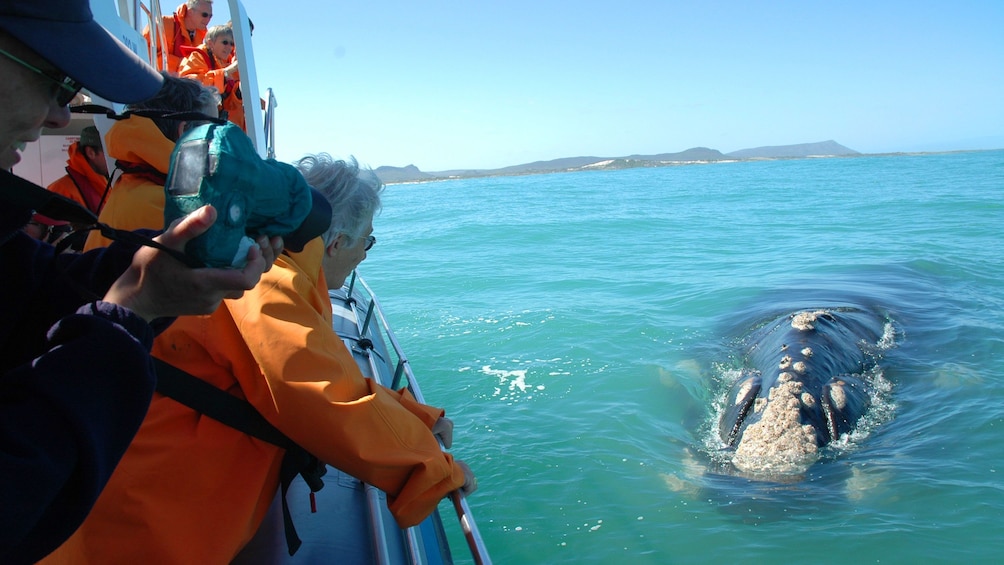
<point>217,164</point>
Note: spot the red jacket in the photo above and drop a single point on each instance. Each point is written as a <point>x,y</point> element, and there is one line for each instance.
<point>81,183</point>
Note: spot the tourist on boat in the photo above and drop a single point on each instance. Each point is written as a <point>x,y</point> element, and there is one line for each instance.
<point>75,330</point>
<point>193,490</point>
<point>86,171</point>
<point>186,27</point>
<point>85,182</point>
<point>142,149</point>
<point>213,64</point>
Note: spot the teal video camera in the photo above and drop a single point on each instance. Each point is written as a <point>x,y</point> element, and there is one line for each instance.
<point>217,164</point>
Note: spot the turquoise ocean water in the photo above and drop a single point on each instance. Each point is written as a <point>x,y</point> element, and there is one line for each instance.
<point>581,328</point>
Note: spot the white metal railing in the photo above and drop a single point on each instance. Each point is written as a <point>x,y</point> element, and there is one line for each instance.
<point>374,314</point>
<point>270,124</point>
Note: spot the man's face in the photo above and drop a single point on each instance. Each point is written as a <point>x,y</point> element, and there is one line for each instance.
<point>199,16</point>
<point>96,159</point>
<point>27,102</point>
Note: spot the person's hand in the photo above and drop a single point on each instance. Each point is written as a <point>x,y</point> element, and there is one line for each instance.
<point>157,285</point>
<point>443,429</point>
<point>231,71</point>
<point>470,481</point>
<point>270,249</point>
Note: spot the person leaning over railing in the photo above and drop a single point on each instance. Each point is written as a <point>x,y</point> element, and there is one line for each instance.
<point>75,330</point>
<point>189,477</point>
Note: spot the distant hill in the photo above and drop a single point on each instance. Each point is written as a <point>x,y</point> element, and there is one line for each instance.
<point>694,154</point>
<point>411,173</point>
<point>390,175</point>
<point>828,148</point>
<point>553,165</point>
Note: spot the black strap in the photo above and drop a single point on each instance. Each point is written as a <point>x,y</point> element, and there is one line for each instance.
<point>152,114</point>
<point>58,207</point>
<point>239,414</point>
<point>108,188</point>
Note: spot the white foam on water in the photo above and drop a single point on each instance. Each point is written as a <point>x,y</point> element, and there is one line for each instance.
<point>511,384</point>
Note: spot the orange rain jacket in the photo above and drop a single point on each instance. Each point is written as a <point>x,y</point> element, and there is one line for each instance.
<point>175,37</point>
<point>81,183</point>
<point>193,490</point>
<point>137,198</point>
<point>201,66</point>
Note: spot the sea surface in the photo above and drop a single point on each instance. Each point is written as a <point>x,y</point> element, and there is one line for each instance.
<point>581,329</point>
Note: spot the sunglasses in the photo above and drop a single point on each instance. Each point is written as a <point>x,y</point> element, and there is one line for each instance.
<point>68,88</point>
<point>370,240</point>
<point>226,42</point>
<point>207,14</point>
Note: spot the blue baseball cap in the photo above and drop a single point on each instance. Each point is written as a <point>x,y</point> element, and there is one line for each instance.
<point>65,34</point>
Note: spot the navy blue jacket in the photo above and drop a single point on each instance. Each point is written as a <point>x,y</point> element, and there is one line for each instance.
<point>76,379</point>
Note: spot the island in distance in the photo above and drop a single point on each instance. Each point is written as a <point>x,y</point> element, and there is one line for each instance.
<point>411,173</point>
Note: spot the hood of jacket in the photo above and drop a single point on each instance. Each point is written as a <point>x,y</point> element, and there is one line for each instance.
<point>78,162</point>
<point>138,140</point>
<point>308,261</point>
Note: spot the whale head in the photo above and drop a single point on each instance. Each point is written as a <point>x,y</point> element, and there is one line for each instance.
<point>799,396</point>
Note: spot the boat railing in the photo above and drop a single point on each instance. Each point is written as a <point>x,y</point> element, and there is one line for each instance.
<point>270,106</point>
<point>374,315</point>
<point>381,551</point>
<point>158,36</point>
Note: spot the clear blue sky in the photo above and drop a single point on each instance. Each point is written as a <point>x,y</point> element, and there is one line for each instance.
<point>450,84</point>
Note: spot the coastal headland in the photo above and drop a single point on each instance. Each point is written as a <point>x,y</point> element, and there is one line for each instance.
<point>696,155</point>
